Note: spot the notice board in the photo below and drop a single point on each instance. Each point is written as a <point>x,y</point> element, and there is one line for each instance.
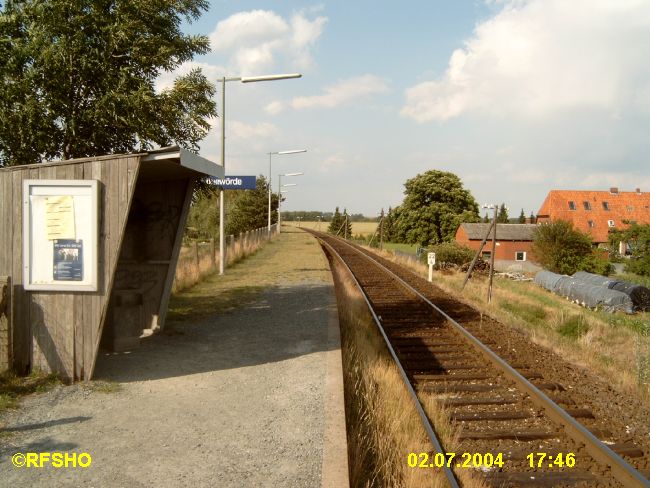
<point>60,234</point>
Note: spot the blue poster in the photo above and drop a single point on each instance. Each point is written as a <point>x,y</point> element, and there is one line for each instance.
<point>236,182</point>
<point>68,260</point>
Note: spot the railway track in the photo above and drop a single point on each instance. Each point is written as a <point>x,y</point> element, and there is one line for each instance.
<point>498,401</point>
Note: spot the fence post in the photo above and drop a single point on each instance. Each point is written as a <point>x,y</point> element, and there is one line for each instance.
<point>196,257</point>
<point>213,255</point>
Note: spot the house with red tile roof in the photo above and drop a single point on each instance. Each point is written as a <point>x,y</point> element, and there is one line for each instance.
<point>596,212</point>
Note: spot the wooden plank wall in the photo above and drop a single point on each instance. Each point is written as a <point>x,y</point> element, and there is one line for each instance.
<point>60,331</point>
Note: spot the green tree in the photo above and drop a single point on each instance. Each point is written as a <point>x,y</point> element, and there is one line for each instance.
<point>434,206</point>
<point>533,219</point>
<point>347,225</point>
<point>486,219</point>
<point>502,214</point>
<point>250,208</point>
<point>388,226</point>
<point>245,210</point>
<point>78,78</point>
<point>637,236</point>
<point>560,248</point>
<point>336,222</point>
<point>522,217</point>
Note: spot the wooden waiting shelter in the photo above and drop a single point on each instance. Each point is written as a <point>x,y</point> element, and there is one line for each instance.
<point>90,246</point>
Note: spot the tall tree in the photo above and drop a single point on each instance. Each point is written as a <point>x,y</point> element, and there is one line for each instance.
<point>637,237</point>
<point>560,248</point>
<point>245,210</point>
<point>533,219</point>
<point>389,226</point>
<point>336,222</point>
<point>434,206</point>
<point>502,215</point>
<point>78,78</point>
<point>522,217</point>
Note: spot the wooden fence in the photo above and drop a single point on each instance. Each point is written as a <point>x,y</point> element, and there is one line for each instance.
<point>199,259</point>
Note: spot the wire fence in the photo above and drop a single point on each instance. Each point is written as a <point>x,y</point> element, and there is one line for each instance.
<point>199,259</point>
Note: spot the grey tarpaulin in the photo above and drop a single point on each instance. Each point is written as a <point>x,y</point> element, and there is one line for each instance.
<point>547,280</point>
<point>587,295</point>
<point>640,295</point>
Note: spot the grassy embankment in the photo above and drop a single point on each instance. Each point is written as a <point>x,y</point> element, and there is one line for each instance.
<point>383,425</point>
<point>615,346</point>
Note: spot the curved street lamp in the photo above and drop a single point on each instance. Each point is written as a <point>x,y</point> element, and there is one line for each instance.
<point>222,213</point>
<point>280,153</point>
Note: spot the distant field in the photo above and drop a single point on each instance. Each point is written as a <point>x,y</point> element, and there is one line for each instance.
<point>363,228</point>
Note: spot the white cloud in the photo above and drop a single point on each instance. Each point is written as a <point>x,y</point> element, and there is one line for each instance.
<point>334,95</point>
<point>256,40</point>
<point>541,57</point>
<point>240,130</point>
<point>275,107</point>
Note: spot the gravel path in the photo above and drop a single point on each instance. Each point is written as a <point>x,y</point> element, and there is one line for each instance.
<point>233,400</point>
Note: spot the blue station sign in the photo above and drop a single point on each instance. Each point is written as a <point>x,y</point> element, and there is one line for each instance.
<point>236,182</point>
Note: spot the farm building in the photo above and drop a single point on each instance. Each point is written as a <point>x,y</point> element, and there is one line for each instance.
<point>90,247</point>
<point>513,244</point>
<point>596,212</point>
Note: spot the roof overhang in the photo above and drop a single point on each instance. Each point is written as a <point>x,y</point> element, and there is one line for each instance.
<point>186,159</point>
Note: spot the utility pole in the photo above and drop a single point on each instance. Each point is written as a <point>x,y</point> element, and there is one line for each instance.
<point>381,230</point>
<point>345,232</point>
<point>494,247</point>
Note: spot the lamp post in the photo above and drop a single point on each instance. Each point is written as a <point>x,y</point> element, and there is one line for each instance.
<point>280,191</point>
<point>222,215</point>
<point>293,151</point>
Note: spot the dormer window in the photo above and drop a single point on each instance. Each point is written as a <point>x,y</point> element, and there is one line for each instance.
<point>611,223</point>
<point>606,207</point>
<point>586,205</point>
<point>572,205</point>
<point>591,224</point>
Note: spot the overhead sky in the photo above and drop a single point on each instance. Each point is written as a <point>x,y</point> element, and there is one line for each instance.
<point>517,97</point>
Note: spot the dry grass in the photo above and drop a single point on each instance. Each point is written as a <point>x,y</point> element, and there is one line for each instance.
<point>382,422</point>
<point>602,342</point>
<point>199,259</point>
<point>358,228</point>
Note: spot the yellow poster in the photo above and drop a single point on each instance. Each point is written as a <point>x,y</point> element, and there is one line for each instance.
<point>59,217</point>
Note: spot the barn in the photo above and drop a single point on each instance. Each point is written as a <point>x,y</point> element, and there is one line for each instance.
<point>513,244</point>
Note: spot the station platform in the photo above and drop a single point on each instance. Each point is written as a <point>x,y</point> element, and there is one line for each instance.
<point>243,388</point>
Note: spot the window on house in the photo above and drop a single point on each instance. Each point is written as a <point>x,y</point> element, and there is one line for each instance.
<point>587,205</point>
<point>630,208</point>
<point>611,223</point>
<point>606,206</point>
<point>591,223</point>
<point>520,256</point>
<point>572,205</point>
<point>486,255</point>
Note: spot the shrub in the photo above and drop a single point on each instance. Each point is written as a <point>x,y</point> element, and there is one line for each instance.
<point>573,327</point>
<point>451,252</point>
<point>562,249</point>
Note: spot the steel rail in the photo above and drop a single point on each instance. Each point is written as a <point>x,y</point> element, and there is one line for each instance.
<point>451,477</point>
<point>621,469</point>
